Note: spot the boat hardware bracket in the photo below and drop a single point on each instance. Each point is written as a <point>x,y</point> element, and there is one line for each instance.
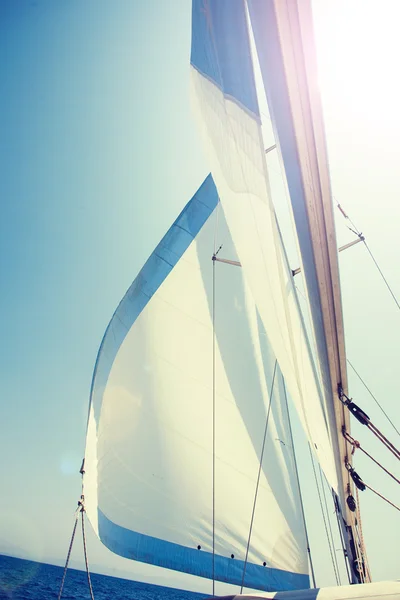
<point>214,256</point>
<point>358,482</point>
<point>360,238</point>
<point>355,410</point>
<point>236,263</point>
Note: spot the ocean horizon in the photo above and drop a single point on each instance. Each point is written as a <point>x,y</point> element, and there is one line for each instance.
<point>24,579</point>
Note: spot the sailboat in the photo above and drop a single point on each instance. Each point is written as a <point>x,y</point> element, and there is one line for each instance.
<point>190,459</point>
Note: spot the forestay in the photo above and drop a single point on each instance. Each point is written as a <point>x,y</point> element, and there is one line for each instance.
<point>148,481</point>
<point>226,103</point>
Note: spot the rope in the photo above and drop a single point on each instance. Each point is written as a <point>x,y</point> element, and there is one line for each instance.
<point>258,476</point>
<point>362,485</point>
<point>384,440</point>
<point>81,510</point>
<point>323,515</point>
<point>359,556</point>
<point>368,390</point>
<point>342,541</point>
<point>381,496</point>
<point>298,485</point>
<point>329,523</point>
<point>361,536</point>
<point>85,553</point>
<point>364,419</point>
<point>382,275</point>
<point>357,444</point>
<point>69,553</point>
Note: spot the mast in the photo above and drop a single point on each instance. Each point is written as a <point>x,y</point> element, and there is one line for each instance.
<point>288,63</point>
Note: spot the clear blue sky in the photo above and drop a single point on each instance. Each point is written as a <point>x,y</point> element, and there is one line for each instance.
<point>99,153</point>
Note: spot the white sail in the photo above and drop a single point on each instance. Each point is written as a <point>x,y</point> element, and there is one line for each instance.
<point>148,481</point>
<point>226,102</point>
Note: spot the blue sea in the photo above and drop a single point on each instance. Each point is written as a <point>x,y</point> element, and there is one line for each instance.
<point>27,580</point>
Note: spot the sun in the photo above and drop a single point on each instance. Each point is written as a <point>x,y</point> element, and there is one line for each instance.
<point>358,45</point>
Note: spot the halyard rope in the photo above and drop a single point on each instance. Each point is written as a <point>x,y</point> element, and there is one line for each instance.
<point>357,444</point>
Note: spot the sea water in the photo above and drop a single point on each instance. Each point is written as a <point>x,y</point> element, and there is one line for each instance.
<point>26,580</point>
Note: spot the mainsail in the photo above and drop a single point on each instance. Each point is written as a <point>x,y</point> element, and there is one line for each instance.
<point>148,484</point>
<point>226,103</point>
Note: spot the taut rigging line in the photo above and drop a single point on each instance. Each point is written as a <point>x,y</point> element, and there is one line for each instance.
<point>354,229</point>
<point>364,419</point>
<point>357,444</point>
<point>79,511</point>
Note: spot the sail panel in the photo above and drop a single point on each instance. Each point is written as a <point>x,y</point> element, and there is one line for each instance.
<point>144,548</point>
<point>220,51</point>
<point>148,465</point>
<point>233,139</point>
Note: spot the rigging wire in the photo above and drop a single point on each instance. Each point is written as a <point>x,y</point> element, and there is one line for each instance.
<point>360,484</point>
<point>364,419</point>
<point>342,541</point>
<point>85,553</point>
<point>69,552</point>
<point>329,524</point>
<point>381,496</point>
<point>323,515</point>
<point>384,440</point>
<point>359,555</point>
<point>355,230</point>
<point>79,510</point>
<point>298,485</point>
<point>361,535</point>
<point>371,394</point>
<point>213,424</point>
<point>357,445</point>
<point>259,475</point>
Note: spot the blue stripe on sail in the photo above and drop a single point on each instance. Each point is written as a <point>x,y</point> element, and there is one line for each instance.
<point>266,35</point>
<point>147,549</point>
<point>221,48</point>
<point>161,262</point>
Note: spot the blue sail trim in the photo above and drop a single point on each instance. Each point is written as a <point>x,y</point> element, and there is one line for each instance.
<point>148,549</point>
<point>221,48</point>
<point>262,16</point>
<point>161,262</point>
